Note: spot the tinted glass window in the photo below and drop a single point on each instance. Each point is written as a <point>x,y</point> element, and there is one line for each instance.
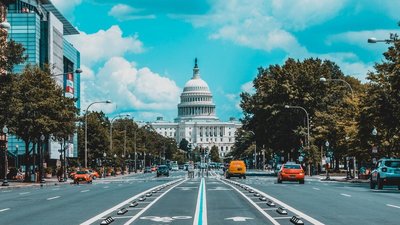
<point>394,164</point>
<point>292,167</point>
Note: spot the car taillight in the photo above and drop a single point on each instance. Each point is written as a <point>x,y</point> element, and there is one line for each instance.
<point>384,169</point>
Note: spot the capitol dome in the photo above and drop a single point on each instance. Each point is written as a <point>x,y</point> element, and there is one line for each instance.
<point>196,99</point>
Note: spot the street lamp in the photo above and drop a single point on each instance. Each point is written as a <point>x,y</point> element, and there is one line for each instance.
<point>104,161</point>
<point>374,148</point>
<point>86,112</point>
<point>5,25</point>
<point>323,79</point>
<point>42,137</point>
<point>111,126</point>
<point>16,156</point>
<point>308,126</point>
<point>255,150</point>
<point>79,70</point>
<point>4,143</point>
<point>115,166</point>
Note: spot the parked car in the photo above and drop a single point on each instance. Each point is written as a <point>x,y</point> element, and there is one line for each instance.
<point>174,167</point>
<point>82,176</point>
<point>162,170</point>
<point>291,172</point>
<point>154,168</point>
<point>386,172</point>
<point>236,168</point>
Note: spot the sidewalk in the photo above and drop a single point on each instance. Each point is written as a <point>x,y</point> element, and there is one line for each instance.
<point>322,177</point>
<point>53,182</point>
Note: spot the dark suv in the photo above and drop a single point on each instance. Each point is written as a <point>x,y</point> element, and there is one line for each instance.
<point>162,170</point>
<point>386,172</point>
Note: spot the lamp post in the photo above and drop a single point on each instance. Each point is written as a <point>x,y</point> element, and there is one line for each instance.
<point>393,37</point>
<point>42,137</point>
<point>123,164</point>
<point>255,150</point>
<point>79,70</point>
<point>4,143</point>
<point>115,166</point>
<point>323,79</point>
<point>86,112</point>
<point>308,128</point>
<point>111,127</point>
<point>104,161</point>
<point>16,156</point>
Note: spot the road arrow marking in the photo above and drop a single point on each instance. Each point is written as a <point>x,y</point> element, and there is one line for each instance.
<point>53,198</point>
<point>394,206</point>
<point>2,210</point>
<point>239,219</point>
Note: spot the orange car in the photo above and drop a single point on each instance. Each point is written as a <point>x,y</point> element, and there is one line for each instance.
<point>82,176</point>
<point>94,174</point>
<point>236,168</point>
<point>291,172</point>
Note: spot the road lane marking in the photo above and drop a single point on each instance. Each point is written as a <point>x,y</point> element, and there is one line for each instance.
<point>2,210</point>
<point>200,216</point>
<point>254,204</point>
<point>152,203</point>
<point>24,193</point>
<point>346,195</point>
<point>6,191</point>
<point>299,213</point>
<point>106,187</point>
<point>85,191</point>
<point>55,189</point>
<point>111,210</point>
<point>394,206</point>
<point>316,189</point>
<point>282,218</point>
<point>53,198</point>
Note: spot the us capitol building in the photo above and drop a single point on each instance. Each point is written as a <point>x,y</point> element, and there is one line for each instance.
<point>197,121</point>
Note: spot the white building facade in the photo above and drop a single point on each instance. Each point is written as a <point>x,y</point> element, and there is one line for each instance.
<point>197,121</point>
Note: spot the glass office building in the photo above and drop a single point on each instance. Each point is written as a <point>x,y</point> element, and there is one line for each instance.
<point>41,29</point>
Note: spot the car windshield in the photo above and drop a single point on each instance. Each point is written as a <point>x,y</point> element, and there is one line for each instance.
<point>162,167</point>
<point>292,167</point>
<point>81,172</point>
<point>393,164</point>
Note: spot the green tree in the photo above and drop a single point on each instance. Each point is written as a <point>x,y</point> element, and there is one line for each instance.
<point>214,155</point>
<point>297,83</point>
<point>184,144</point>
<point>40,108</point>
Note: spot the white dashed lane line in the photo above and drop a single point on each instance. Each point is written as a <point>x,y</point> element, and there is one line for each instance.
<point>346,195</point>
<point>2,210</point>
<point>106,187</point>
<point>394,206</point>
<point>24,193</point>
<point>316,189</point>
<point>85,191</point>
<point>52,198</point>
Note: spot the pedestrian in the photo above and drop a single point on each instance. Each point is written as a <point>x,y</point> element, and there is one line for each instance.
<point>59,174</point>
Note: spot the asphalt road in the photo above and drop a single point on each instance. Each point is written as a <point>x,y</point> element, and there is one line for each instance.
<point>177,200</point>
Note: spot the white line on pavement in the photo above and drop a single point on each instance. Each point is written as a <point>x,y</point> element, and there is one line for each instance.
<point>6,191</point>
<point>200,215</point>
<point>346,195</point>
<point>152,203</point>
<point>53,197</point>
<point>316,189</point>
<point>55,189</point>
<point>394,206</point>
<point>304,216</point>
<point>101,215</point>
<point>24,193</point>
<point>2,210</point>
<point>254,204</point>
<point>106,187</point>
<point>85,190</point>
<point>283,217</point>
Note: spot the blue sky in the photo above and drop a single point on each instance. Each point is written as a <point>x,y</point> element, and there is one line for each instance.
<point>140,53</point>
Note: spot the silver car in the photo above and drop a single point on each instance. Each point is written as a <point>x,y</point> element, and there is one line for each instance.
<point>386,172</point>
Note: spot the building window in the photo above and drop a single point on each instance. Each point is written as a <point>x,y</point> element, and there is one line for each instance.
<point>201,139</point>
<point>221,140</point>
<point>230,139</point>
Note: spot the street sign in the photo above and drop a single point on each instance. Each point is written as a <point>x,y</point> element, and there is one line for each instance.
<point>239,219</point>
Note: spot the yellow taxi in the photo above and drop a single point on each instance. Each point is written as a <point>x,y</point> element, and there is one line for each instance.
<point>236,168</point>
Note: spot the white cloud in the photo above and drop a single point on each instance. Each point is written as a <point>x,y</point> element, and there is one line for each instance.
<point>105,44</point>
<point>248,87</point>
<point>130,88</point>
<point>125,12</point>
<point>66,6</point>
